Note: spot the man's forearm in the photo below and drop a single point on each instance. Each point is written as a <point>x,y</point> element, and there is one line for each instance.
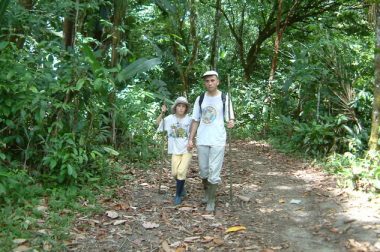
<point>193,129</point>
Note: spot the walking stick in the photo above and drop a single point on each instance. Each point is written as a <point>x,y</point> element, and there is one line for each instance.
<point>229,137</point>
<point>162,151</point>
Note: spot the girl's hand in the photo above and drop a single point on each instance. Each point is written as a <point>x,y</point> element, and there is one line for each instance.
<point>163,109</point>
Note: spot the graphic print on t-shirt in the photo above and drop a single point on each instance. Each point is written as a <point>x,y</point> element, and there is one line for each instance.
<point>178,131</point>
<point>208,115</point>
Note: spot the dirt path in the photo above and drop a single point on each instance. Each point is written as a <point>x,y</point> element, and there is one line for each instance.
<point>282,203</point>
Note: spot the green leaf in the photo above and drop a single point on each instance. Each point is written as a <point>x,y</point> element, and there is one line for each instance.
<point>93,179</point>
<point>98,83</point>
<point>79,84</point>
<point>53,163</point>
<point>3,44</point>
<point>111,151</point>
<point>95,64</point>
<point>139,66</point>
<point>2,189</point>
<point>33,89</point>
<point>70,170</point>
<point>96,153</point>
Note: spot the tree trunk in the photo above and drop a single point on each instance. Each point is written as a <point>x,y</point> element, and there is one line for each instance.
<point>119,12</point>
<point>373,140</point>
<point>215,38</point>
<point>194,46</point>
<point>69,29</point>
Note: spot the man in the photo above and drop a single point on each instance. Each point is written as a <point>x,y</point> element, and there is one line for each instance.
<point>210,111</point>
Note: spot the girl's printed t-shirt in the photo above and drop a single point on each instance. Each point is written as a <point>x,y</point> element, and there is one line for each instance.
<point>178,130</point>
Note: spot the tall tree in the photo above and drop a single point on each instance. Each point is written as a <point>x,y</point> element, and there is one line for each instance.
<point>215,37</point>
<point>69,27</point>
<point>119,12</point>
<point>373,140</point>
<point>120,7</point>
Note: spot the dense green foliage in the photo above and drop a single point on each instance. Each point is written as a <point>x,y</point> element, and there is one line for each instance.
<point>69,114</point>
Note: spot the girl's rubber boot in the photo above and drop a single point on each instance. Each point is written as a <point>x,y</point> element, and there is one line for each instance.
<point>183,193</point>
<point>211,197</point>
<point>179,189</point>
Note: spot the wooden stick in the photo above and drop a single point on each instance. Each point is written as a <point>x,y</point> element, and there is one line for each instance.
<point>162,151</point>
<point>229,138</point>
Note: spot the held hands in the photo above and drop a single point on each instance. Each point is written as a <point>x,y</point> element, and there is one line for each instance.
<point>230,124</point>
<point>190,145</point>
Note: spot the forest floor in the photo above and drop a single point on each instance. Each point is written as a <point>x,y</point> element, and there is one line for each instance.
<point>279,203</point>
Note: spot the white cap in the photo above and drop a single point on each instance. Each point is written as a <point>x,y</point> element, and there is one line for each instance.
<point>209,73</point>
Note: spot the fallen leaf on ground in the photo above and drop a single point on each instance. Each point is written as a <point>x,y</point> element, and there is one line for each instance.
<point>266,210</point>
<point>355,246</point>
<point>208,216</point>
<point>191,239</point>
<point>243,198</point>
<point>47,246</point>
<point>180,249</point>
<point>150,225</point>
<point>112,214</point>
<point>295,201</point>
<point>275,248</point>
<point>42,232</point>
<point>42,208</point>
<point>175,244</point>
<point>165,246</point>
<point>216,224</point>
<point>118,222</point>
<point>19,241</point>
<point>334,230</point>
<point>218,241</point>
<point>281,201</point>
<point>22,248</point>
<point>185,209</point>
<point>235,229</point>
<point>121,206</point>
<point>207,239</point>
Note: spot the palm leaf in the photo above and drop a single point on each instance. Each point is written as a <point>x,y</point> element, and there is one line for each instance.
<point>138,66</point>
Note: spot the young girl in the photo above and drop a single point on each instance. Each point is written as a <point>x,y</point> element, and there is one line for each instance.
<point>177,126</point>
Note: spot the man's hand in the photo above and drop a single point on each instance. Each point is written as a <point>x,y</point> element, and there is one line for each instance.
<point>230,124</point>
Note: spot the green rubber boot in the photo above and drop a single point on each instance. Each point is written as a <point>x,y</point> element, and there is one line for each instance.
<point>211,197</point>
<point>205,186</point>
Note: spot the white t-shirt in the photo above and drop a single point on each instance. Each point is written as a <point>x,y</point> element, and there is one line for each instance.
<point>178,130</point>
<point>211,129</point>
